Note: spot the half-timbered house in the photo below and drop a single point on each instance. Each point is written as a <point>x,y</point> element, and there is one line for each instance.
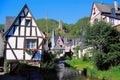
<point>24,40</point>
<point>109,13</point>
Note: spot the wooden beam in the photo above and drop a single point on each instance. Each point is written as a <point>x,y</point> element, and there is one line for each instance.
<point>12,51</point>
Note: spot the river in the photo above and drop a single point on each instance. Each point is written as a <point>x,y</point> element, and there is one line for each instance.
<point>65,73</point>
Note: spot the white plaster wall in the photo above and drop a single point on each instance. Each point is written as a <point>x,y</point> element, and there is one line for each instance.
<point>12,41</point>
<point>40,47</point>
<point>8,46</point>
<point>33,31</point>
<point>80,55</point>
<point>96,15</point>
<point>116,22</point>
<point>38,32</point>
<point>29,15</point>
<point>27,18</point>
<point>40,41</point>
<point>16,31</point>
<point>9,55</point>
<point>27,56</point>
<point>27,31</point>
<point>19,54</point>
<point>23,21</point>
<point>22,30</point>
<point>20,43</point>
<point>34,23</point>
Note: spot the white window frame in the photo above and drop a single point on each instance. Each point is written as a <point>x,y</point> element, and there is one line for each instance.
<point>31,43</point>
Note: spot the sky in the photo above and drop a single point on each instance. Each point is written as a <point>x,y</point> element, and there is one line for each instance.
<point>69,11</point>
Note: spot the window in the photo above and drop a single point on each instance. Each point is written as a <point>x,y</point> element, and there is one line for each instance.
<point>30,43</point>
<point>94,11</point>
<point>28,22</point>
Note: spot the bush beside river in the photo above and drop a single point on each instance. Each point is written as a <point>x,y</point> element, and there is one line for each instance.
<point>112,74</point>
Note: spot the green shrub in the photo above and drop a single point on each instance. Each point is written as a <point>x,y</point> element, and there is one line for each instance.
<point>116,68</point>
<point>86,57</point>
<point>6,66</point>
<point>100,60</point>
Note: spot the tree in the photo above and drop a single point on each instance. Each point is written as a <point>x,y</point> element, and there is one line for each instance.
<point>105,40</point>
<point>84,22</point>
<point>1,27</point>
<point>101,36</point>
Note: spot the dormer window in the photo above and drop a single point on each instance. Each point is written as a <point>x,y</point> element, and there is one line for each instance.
<point>28,22</point>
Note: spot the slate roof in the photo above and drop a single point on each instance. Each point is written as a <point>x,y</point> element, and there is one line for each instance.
<point>57,47</point>
<point>105,9</point>
<point>9,21</point>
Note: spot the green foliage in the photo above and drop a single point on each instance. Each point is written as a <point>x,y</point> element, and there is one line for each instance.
<point>117,68</point>
<point>100,60</point>
<point>76,50</point>
<point>101,35</point>
<point>84,22</point>
<point>21,68</point>
<point>6,66</point>
<point>112,74</point>
<point>86,57</point>
<point>1,27</point>
<point>104,61</point>
<point>113,58</point>
<point>79,63</point>
<point>105,40</point>
<point>69,29</point>
<point>48,66</point>
<point>47,25</point>
<point>30,51</point>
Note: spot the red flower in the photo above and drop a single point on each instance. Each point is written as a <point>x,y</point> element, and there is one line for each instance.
<point>35,49</point>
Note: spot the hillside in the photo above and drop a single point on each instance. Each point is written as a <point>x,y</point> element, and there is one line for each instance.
<point>69,30</point>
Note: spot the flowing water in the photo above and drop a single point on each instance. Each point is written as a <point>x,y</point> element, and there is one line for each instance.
<point>71,74</point>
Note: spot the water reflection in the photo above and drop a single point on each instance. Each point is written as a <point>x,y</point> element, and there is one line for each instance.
<point>65,73</point>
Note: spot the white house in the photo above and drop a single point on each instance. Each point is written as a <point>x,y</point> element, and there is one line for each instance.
<point>22,35</point>
<point>109,13</point>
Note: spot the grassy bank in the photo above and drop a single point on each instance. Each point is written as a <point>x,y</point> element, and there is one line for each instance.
<point>79,64</point>
<point>111,74</point>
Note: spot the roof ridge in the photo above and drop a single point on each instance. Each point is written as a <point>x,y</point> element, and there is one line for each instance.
<point>104,3</point>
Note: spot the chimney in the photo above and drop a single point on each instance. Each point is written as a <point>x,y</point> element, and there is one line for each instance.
<point>116,5</point>
<point>113,12</point>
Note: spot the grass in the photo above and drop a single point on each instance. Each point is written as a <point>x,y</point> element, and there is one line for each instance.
<point>79,64</point>
<point>111,74</point>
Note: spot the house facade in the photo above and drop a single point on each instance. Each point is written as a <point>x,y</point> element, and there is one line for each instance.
<point>109,13</point>
<point>22,37</point>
